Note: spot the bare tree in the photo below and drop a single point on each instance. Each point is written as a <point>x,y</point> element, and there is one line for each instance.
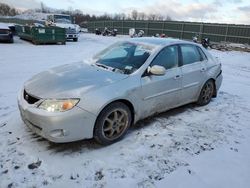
<point>117,16</point>
<point>6,10</point>
<point>134,14</point>
<point>141,16</point>
<point>160,17</point>
<point>152,16</point>
<point>81,18</point>
<point>168,18</point>
<point>43,9</point>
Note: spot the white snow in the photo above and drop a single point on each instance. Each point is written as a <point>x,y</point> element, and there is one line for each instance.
<point>187,147</point>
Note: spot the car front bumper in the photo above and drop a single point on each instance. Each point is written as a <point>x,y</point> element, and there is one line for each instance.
<point>71,36</point>
<point>6,37</point>
<point>218,81</point>
<point>59,127</point>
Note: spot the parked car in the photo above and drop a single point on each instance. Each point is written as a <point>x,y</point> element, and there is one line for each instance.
<point>124,83</point>
<point>5,33</point>
<point>12,29</point>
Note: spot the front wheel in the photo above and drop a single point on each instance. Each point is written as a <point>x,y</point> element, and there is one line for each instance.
<point>75,39</point>
<point>112,123</point>
<point>206,93</point>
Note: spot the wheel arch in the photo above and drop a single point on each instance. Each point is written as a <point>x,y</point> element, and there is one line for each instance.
<point>124,101</point>
<point>215,91</point>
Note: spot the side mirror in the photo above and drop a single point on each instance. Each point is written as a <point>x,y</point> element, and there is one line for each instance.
<point>157,70</point>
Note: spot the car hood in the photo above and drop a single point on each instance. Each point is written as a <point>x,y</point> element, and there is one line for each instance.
<point>65,25</point>
<point>70,81</point>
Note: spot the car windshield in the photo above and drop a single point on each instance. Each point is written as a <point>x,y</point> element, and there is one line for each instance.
<point>62,19</point>
<point>124,57</point>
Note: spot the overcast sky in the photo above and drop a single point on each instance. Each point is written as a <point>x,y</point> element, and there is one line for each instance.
<point>223,11</point>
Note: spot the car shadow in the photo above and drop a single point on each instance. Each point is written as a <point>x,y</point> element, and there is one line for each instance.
<point>172,112</point>
<point>73,147</point>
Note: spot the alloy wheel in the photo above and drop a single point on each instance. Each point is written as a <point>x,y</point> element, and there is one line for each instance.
<point>115,124</point>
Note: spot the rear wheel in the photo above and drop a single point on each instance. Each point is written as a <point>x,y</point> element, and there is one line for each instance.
<point>206,94</point>
<point>112,123</point>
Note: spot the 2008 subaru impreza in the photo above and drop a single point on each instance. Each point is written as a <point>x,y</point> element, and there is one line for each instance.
<point>124,83</point>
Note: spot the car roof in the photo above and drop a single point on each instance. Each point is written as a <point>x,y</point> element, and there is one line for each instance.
<point>4,26</point>
<point>159,41</point>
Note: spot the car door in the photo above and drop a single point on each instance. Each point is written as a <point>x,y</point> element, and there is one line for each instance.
<point>160,93</point>
<point>193,72</point>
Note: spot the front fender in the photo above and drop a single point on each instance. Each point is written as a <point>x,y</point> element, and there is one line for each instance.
<point>128,89</point>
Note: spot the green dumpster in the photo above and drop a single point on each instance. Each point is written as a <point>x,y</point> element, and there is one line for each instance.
<point>42,35</point>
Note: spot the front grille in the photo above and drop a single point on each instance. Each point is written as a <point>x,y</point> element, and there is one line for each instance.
<point>70,31</point>
<point>30,99</point>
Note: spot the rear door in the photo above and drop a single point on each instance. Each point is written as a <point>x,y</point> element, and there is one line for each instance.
<point>193,72</point>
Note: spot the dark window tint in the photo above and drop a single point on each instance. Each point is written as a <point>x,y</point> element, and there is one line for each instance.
<point>167,58</point>
<point>190,54</point>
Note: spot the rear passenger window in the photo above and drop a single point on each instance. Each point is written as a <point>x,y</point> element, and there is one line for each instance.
<point>190,54</point>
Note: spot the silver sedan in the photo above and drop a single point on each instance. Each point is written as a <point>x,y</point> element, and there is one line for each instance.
<point>121,85</point>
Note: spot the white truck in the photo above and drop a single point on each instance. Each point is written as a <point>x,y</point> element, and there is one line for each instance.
<point>64,21</point>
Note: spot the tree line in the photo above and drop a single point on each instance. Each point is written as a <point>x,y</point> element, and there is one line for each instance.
<point>81,18</point>
<point>6,10</point>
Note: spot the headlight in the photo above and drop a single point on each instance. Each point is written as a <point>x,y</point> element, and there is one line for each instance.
<point>60,105</point>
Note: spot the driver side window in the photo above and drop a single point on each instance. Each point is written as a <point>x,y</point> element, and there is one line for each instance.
<point>168,57</point>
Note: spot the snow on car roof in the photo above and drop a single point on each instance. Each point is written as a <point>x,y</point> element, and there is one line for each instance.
<point>157,41</point>
<point>4,26</point>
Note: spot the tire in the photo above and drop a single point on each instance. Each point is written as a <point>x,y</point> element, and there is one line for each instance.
<point>75,39</point>
<point>112,123</point>
<point>206,93</point>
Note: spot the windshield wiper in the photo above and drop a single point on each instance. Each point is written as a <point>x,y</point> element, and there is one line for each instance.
<point>109,68</point>
<point>105,66</point>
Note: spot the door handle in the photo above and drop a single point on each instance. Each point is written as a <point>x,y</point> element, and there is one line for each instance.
<point>177,77</point>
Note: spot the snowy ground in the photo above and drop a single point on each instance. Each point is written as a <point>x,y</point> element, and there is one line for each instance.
<point>190,146</point>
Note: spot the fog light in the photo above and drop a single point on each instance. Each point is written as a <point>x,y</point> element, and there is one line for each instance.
<point>58,133</point>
